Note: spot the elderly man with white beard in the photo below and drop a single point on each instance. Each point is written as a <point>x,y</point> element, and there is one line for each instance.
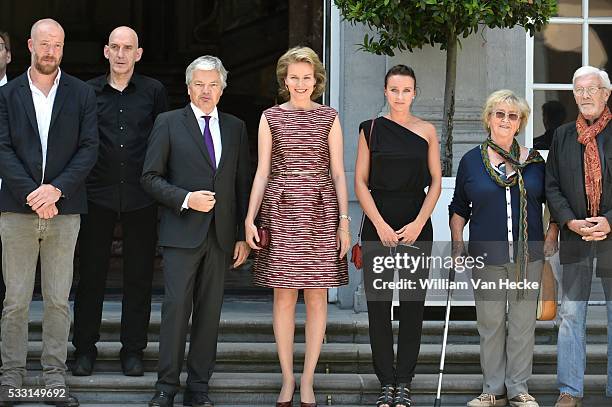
<point>579,194</point>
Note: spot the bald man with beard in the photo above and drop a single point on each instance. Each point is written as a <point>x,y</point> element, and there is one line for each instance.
<point>48,145</point>
<point>128,104</point>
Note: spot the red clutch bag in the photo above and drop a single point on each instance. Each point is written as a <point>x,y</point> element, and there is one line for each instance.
<point>357,256</point>
<point>357,251</point>
<point>264,237</point>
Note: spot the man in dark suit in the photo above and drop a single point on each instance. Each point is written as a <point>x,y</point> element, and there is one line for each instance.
<point>5,59</point>
<point>196,156</point>
<point>48,145</point>
<point>5,55</point>
<point>128,104</point>
<point>579,194</point>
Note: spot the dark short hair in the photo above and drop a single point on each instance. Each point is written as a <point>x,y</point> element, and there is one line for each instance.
<point>7,40</point>
<point>555,112</point>
<point>401,69</point>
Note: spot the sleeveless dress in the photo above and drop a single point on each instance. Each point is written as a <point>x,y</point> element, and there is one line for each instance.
<point>399,173</point>
<point>300,210</point>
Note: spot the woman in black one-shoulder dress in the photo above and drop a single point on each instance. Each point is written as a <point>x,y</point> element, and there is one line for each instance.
<point>398,157</point>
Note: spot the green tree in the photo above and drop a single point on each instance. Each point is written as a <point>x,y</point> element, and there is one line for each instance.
<point>408,24</point>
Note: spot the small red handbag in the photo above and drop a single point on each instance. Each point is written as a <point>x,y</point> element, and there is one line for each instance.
<point>357,251</point>
<point>357,256</point>
<point>264,237</point>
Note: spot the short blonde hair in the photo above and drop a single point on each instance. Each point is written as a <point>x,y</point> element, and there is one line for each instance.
<point>300,54</point>
<point>509,97</point>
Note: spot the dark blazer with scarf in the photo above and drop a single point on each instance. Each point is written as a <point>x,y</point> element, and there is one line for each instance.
<point>72,147</point>
<point>565,192</point>
<point>177,162</point>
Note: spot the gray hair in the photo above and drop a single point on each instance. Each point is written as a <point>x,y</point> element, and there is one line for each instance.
<point>206,63</point>
<point>591,70</point>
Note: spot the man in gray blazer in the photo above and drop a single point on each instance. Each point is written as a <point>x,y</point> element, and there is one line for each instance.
<point>196,157</point>
<point>579,194</point>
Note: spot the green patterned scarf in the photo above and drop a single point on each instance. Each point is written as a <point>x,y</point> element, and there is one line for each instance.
<point>513,157</point>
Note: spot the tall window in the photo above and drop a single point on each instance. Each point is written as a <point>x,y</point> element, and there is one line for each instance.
<point>580,34</point>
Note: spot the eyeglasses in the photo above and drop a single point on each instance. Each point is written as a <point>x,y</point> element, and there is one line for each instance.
<point>2,46</point>
<point>501,115</point>
<point>592,91</point>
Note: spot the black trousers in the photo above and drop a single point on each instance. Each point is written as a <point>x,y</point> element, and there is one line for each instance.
<point>408,341</point>
<point>95,240</point>
<point>193,282</point>
<point>2,286</point>
<point>410,316</point>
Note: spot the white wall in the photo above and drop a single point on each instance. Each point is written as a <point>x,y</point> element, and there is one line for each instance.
<point>490,60</point>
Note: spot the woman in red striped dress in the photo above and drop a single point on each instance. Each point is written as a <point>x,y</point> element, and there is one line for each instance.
<point>299,193</point>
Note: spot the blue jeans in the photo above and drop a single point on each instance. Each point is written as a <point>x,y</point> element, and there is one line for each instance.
<point>571,343</point>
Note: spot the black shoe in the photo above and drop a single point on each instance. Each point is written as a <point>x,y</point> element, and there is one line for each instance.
<point>402,395</point>
<point>162,399</point>
<point>200,399</point>
<point>68,401</point>
<point>187,397</point>
<point>132,365</point>
<point>4,396</point>
<point>83,365</point>
<point>387,393</point>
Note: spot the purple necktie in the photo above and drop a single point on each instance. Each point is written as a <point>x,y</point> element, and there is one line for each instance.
<point>209,142</point>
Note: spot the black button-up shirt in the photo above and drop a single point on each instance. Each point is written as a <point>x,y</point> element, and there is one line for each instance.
<point>125,120</point>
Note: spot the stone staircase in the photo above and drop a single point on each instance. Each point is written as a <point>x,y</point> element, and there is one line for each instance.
<point>247,372</point>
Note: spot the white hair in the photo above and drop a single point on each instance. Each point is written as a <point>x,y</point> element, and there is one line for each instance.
<point>591,70</point>
<point>206,63</point>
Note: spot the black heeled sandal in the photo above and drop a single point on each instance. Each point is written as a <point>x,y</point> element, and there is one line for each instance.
<point>402,396</point>
<point>386,396</point>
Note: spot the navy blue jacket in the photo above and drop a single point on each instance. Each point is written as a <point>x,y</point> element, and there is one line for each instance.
<point>479,200</point>
<point>72,146</point>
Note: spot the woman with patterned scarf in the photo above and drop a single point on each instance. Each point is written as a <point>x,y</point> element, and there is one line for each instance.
<point>500,190</point>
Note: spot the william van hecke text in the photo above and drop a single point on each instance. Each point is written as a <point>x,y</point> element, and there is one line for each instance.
<point>444,284</point>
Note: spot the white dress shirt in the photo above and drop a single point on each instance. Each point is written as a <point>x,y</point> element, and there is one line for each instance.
<point>215,132</point>
<point>508,210</point>
<point>43,105</point>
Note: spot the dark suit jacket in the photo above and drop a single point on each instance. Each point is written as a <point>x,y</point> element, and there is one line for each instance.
<point>72,146</point>
<point>567,197</point>
<point>177,162</point>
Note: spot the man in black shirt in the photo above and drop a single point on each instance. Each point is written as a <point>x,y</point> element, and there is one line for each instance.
<point>128,104</point>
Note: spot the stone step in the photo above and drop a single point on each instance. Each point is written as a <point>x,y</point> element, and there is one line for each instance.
<point>339,331</point>
<point>251,321</point>
<point>335,358</point>
<point>258,389</point>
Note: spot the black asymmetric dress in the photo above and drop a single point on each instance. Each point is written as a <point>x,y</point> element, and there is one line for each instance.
<point>399,173</point>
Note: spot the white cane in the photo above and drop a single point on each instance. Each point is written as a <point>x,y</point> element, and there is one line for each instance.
<point>451,278</point>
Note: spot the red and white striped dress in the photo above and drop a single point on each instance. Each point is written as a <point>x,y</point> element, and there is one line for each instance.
<point>301,210</point>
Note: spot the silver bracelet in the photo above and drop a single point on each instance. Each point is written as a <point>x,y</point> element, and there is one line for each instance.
<point>343,216</point>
